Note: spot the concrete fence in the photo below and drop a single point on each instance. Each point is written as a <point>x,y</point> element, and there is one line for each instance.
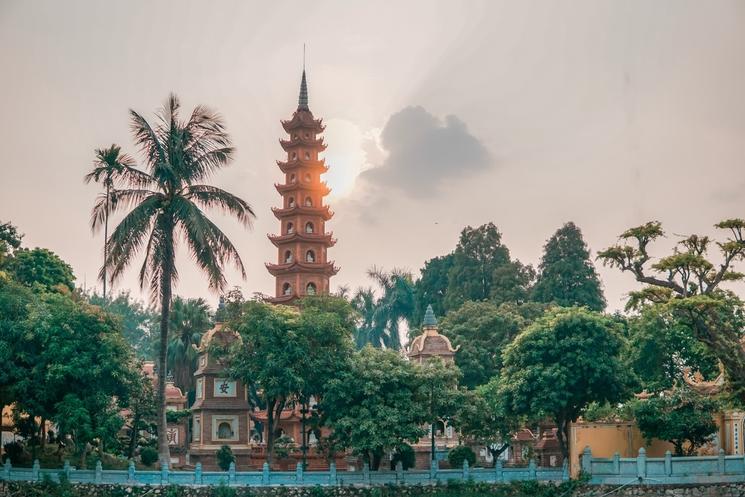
<point>666,470</point>
<point>290,478</point>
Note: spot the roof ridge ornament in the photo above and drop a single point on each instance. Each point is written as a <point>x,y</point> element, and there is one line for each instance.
<point>429,318</point>
<point>302,102</point>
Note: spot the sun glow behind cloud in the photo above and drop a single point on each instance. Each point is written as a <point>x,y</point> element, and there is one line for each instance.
<point>351,151</point>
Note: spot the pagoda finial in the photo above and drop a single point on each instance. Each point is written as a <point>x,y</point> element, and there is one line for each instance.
<point>429,318</point>
<point>302,103</point>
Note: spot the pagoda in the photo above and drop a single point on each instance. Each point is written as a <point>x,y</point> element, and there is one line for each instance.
<point>302,267</point>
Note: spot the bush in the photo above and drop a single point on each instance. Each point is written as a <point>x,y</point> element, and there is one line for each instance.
<point>459,454</point>
<point>14,451</point>
<point>148,456</point>
<point>406,455</point>
<point>225,457</point>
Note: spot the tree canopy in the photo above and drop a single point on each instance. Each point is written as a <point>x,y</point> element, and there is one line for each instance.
<point>41,266</point>
<point>559,364</point>
<point>566,275</point>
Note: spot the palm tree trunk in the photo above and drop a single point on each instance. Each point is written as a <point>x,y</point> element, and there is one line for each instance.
<point>106,241</point>
<point>165,306</point>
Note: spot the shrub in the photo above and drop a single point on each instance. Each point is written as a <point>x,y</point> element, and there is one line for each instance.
<point>223,490</point>
<point>225,457</point>
<point>14,451</point>
<point>148,456</point>
<point>459,454</point>
<point>406,455</point>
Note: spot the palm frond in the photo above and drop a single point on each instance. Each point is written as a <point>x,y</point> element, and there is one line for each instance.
<point>213,197</point>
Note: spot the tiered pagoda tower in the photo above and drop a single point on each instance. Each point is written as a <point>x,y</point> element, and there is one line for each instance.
<point>302,267</point>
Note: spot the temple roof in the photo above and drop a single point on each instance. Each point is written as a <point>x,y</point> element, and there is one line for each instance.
<point>327,268</point>
<point>321,187</point>
<point>314,143</point>
<point>287,166</point>
<point>324,238</point>
<point>430,342</point>
<point>324,212</point>
<point>220,335</point>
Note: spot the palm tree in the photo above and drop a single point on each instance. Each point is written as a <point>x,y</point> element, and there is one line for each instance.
<point>190,319</point>
<point>110,164</point>
<point>381,317</point>
<point>166,201</point>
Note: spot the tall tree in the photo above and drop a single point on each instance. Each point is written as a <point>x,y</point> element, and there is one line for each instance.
<point>286,354</point>
<point>681,416</point>
<point>432,285</point>
<point>190,319</point>
<point>438,394</point>
<point>394,307</point>
<point>137,321</point>
<point>167,200</point>
<point>109,164</point>
<point>482,270</point>
<point>41,266</point>
<point>566,275</point>
<point>373,405</point>
<point>481,330</point>
<point>10,240</point>
<point>561,363</point>
<point>15,300</point>
<point>364,303</point>
<point>688,282</point>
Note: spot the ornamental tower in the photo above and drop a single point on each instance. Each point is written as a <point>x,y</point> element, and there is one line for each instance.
<point>302,267</point>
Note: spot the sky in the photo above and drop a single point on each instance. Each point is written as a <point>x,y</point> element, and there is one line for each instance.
<point>439,115</point>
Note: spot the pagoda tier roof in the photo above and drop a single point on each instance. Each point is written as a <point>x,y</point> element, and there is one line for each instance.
<point>288,145</point>
<point>282,299</point>
<point>324,212</point>
<point>292,165</point>
<point>303,119</point>
<point>326,268</point>
<point>298,185</point>
<point>324,238</point>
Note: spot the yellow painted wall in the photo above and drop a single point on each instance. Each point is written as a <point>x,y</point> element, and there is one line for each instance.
<point>605,439</point>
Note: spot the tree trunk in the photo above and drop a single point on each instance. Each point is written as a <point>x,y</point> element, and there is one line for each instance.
<point>377,455</point>
<point>164,452</point>
<point>106,241</point>
<point>133,436</point>
<point>270,431</point>
<point>562,435</point>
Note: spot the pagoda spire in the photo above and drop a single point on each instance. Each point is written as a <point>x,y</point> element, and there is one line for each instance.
<point>302,103</point>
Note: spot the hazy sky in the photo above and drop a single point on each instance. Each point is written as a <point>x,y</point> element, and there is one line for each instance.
<point>525,113</point>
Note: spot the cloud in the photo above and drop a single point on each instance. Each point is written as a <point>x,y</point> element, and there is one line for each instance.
<point>422,152</point>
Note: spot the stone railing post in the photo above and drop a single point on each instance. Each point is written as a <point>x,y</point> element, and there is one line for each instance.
<point>231,473</point>
<point>198,474</point>
<point>498,470</point>
<point>668,463</point>
<point>265,475</point>
<point>66,469</point>
<point>99,472</point>
<point>35,470</point>
<point>721,461</point>
<point>299,473</point>
<point>131,472</point>
<point>466,471</point>
<point>399,472</point>
<point>641,463</point>
<point>163,473</point>
<point>565,470</point>
<point>366,473</point>
<point>616,463</point>
<point>532,472</point>
<point>332,473</point>
<point>433,467</point>
<point>6,469</point>
<point>587,460</point>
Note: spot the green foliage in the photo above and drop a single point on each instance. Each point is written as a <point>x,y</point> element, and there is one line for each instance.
<point>148,456</point>
<point>561,363</point>
<point>660,345</point>
<point>404,454</point>
<point>567,276</point>
<point>483,418</point>
<point>41,266</point>
<point>225,457</point>
<point>682,417</point>
<point>223,490</point>
<point>431,287</point>
<point>461,453</point>
<point>372,405</point>
<point>14,306</point>
<point>189,320</point>
<point>10,240</point>
<point>480,270</point>
<point>481,330</point>
<point>288,354</point>
<point>607,412</point>
<point>137,321</point>
<point>438,393</point>
<point>13,451</point>
<point>177,416</point>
